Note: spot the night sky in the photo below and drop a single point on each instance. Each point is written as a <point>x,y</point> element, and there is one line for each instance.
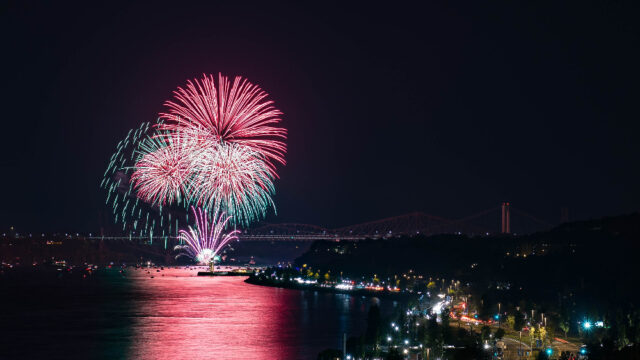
<point>444,109</point>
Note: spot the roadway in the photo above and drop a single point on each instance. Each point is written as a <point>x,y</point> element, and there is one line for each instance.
<point>513,345</point>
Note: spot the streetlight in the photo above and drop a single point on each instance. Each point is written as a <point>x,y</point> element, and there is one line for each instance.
<point>520,344</point>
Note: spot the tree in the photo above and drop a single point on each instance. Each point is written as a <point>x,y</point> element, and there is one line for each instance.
<point>468,352</point>
<point>542,333</point>
<point>511,322</point>
<point>355,346</point>
<point>542,356</point>
<point>445,325</point>
<point>432,332</point>
<point>550,332</point>
<point>518,323</point>
<point>500,333</point>
<point>373,326</point>
<point>330,354</point>
<point>393,355</point>
<point>564,326</point>
<point>485,332</point>
<point>485,306</point>
<point>435,337</point>
<point>458,314</point>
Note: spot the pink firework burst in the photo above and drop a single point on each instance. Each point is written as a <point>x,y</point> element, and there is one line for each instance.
<point>163,168</point>
<point>233,112</point>
<point>204,242</point>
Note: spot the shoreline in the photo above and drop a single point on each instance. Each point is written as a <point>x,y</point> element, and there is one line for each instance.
<point>358,292</point>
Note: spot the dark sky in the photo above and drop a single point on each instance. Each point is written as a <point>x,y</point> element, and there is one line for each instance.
<point>447,109</point>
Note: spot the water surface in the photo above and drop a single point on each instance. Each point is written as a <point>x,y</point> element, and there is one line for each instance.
<point>174,315</point>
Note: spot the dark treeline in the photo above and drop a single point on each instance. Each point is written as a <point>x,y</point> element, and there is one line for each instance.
<point>581,258</point>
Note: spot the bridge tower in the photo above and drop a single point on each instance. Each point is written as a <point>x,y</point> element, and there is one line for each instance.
<point>506,220</point>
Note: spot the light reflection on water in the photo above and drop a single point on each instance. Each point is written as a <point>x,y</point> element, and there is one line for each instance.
<point>181,316</point>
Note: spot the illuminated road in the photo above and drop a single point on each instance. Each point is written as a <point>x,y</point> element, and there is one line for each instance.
<point>512,348</point>
<point>560,346</point>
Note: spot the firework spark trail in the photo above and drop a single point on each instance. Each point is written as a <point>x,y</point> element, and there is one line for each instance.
<point>116,179</point>
<point>205,241</point>
<point>134,215</point>
<point>231,112</point>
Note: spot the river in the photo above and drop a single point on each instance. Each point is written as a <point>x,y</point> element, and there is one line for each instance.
<point>174,315</point>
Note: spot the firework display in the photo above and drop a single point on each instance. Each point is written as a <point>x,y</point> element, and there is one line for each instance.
<point>204,242</point>
<point>216,147</point>
<point>235,179</point>
<point>231,112</point>
<point>163,169</point>
<point>135,215</point>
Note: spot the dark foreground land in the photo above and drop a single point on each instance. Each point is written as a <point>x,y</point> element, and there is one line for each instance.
<point>564,280</point>
<point>593,261</point>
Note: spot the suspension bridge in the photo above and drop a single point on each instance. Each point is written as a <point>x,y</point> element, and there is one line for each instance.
<point>503,219</point>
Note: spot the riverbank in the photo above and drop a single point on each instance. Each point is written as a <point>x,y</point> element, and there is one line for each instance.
<point>329,289</point>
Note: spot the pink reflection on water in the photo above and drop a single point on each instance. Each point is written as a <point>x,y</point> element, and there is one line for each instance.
<point>181,316</point>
